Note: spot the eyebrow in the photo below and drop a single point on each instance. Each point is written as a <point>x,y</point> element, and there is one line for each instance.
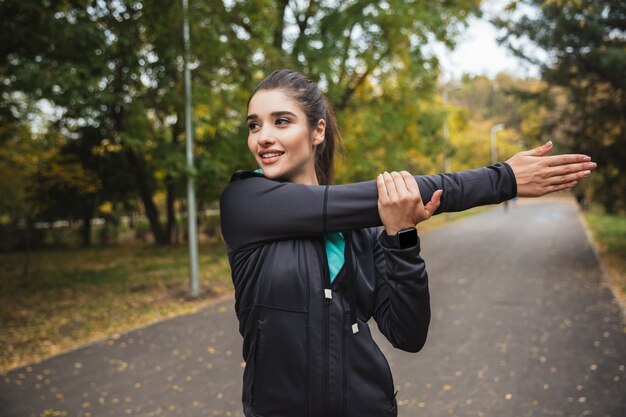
<point>273,114</point>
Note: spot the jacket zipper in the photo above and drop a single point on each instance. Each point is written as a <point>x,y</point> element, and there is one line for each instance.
<point>328,294</point>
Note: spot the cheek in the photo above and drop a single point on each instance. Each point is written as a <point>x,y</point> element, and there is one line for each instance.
<point>251,145</point>
<point>300,143</point>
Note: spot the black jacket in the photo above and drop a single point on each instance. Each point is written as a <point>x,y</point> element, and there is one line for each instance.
<point>303,358</point>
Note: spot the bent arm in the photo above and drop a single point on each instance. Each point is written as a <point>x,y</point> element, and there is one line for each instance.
<point>255,209</point>
<point>402,305</point>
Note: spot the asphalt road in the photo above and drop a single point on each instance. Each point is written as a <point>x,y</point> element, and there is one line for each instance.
<point>522,326</point>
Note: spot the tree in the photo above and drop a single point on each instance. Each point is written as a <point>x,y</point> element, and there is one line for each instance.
<point>585,43</point>
<point>112,72</point>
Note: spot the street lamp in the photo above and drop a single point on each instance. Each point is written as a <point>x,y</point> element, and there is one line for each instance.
<point>191,195</point>
<point>494,153</point>
<point>446,129</point>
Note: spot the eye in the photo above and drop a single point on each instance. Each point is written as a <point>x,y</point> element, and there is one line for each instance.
<point>253,126</point>
<point>282,121</point>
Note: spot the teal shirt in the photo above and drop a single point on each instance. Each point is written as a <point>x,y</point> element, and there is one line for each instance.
<point>335,247</point>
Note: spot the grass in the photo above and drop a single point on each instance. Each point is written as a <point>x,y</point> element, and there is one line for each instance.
<point>71,297</point>
<point>74,296</point>
<point>447,218</point>
<point>609,232</point>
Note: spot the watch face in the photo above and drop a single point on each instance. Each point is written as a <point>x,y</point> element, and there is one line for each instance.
<point>407,237</point>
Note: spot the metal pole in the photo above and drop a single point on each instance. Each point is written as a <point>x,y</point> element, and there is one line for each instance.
<point>191,196</point>
<point>447,161</point>
<point>446,133</point>
<point>494,152</point>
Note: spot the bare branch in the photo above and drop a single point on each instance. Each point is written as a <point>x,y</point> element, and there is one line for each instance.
<point>350,89</point>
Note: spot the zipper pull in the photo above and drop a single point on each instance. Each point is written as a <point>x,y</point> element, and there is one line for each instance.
<point>355,328</point>
<point>328,295</point>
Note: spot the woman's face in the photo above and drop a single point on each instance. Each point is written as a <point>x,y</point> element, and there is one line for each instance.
<point>280,139</point>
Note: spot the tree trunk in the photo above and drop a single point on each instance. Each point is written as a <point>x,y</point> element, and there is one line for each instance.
<point>29,236</point>
<point>171,189</point>
<point>281,5</point>
<point>85,231</point>
<point>171,214</point>
<point>145,192</point>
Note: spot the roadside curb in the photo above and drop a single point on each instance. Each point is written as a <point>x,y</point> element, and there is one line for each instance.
<point>606,275</point>
<point>210,303</point>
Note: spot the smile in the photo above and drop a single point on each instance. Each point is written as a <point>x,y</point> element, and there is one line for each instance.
<point>271,155</point>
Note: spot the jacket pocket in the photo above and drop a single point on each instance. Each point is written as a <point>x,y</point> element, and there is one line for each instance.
<point>279,386</point>
<point>369,383</point>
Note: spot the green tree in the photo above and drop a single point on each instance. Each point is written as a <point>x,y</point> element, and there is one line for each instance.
<point>585,43</point>
<point>112,73</point>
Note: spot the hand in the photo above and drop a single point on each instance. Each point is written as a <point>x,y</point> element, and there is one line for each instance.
<point>537,174</point>
<point>400,203</point>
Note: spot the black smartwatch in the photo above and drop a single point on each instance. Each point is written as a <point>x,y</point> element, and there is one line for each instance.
<point>405,238</point>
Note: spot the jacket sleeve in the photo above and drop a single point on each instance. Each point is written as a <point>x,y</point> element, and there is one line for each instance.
<point>255,209</point>
<point>402,304</point>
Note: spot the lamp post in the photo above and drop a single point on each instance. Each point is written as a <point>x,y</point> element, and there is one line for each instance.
<point>494,152</point>
<point>191,196</point>
<point>446,130</point>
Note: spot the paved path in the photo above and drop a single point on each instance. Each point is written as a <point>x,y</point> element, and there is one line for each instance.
<point>522,326</point>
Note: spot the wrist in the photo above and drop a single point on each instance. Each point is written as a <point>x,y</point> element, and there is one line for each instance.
<point>393,230</point>
<point>403,239</point>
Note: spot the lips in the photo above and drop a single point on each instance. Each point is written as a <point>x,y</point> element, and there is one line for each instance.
<point>270,156</point>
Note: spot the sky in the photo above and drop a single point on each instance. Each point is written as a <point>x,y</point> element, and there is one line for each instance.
<point>477,51</point>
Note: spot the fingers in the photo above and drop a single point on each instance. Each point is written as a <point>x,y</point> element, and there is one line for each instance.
<point>568,173</point>
<point>390,184</point>
<point>558,187</point>
<point>410,183</point>
<point>572,168</point>
<point>399,182</point>
<point>400,203</point>
<point>541,150</point>
<point>434,203</point>
<point>383,196</point>
<point>399,186</point>
<point>563,179</point>
<point>566,159</point>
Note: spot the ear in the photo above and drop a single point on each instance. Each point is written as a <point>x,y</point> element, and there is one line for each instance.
<point>319,132</point>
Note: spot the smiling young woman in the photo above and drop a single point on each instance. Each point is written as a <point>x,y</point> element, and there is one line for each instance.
<point>311,267</point>
<point>280,138</point>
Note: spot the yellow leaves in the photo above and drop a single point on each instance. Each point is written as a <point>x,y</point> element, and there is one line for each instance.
<point>106,208</point>
<point>68,172</point>
<point>50,412</point>
<point>160,174</point>
<point>106,146</point>
<point>206,130</point>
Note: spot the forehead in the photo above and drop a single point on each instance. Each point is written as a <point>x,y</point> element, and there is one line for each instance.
<point>266,102</point>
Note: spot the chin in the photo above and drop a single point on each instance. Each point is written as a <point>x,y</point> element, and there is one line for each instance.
<point>269,172</point>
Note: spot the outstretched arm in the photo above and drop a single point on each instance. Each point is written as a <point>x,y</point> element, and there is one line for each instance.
<point>255,209</point>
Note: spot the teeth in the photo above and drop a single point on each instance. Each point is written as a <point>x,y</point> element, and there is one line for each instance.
<point>270,155</point>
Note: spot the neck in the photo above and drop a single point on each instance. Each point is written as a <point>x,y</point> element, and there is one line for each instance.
<point>305,178</point>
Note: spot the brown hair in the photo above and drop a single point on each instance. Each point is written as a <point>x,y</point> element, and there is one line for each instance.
<point>308,95</point>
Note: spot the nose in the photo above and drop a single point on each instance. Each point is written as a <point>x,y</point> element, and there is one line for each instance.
<point>266,137</point>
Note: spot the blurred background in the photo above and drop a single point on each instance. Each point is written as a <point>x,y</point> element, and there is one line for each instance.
<point>93,175</point>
